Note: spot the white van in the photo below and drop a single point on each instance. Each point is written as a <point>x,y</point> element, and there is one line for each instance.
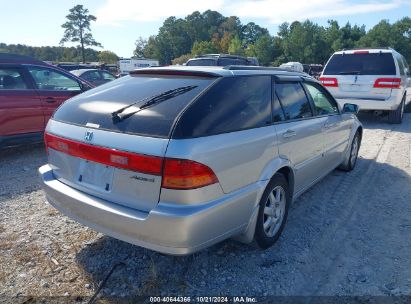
<point>374,79</point>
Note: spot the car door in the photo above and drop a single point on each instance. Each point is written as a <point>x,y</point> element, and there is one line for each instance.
<point>20,107</point>
<point>106,77</point>
<point>300,134</point>
<point>94,77</point>
<point>336,130</point>
<point>53,88</point>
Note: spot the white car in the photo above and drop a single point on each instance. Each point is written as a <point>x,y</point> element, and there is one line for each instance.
<point>374,79</point>
<point>293,66</point>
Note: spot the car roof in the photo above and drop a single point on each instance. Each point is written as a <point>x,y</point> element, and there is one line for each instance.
<point>19,59</point>
<point>82,71</point>
<point>218,71</point>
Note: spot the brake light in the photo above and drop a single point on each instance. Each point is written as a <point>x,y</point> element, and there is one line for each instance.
<point>186,174</point>
<point>387,83</point>
<point>111,157</point>
<point>361,52</point>
<point>329,82</point>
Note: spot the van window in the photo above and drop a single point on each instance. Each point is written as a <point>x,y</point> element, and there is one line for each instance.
<point>293,100</point>
<point>361,64</point>
<point>95,107</point>
<point>324,104</point>
<point>232,104</point>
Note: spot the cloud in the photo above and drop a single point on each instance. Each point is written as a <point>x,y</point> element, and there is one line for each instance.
<point>276,12</point>
<point>115,12</point>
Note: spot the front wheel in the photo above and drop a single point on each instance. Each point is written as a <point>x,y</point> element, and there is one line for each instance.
<point>349,164</point>
<point>273,211</point>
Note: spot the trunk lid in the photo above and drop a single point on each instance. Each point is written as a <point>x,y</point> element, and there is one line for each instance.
<point>110,142</point>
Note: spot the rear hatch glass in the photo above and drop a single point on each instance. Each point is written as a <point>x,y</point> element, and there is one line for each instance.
<point>361,64</point>
<point>356,74</point>
<point>95,108</point>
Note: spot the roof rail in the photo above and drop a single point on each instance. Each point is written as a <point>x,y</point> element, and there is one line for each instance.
<point>257,68</point>
<point>369,48</point>
<point>221,56</point>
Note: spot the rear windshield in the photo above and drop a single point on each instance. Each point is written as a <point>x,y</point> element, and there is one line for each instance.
<point>202,62</point>
<point>361,64</point>
<point>94,108</point>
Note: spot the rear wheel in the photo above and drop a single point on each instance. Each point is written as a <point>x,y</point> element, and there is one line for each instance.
<point>395,116</point>
<point>273,211</point>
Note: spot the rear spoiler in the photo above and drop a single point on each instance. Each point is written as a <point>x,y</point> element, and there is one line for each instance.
<point>174,72</point>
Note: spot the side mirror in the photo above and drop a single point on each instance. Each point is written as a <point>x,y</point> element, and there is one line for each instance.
<point>351,108</point>
<point>84,87</point>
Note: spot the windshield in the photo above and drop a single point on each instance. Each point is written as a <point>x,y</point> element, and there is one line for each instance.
<point>361,64</point>
<point>95,107</point>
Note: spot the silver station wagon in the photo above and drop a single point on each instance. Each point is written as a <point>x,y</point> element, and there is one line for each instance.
<point>176,159</point>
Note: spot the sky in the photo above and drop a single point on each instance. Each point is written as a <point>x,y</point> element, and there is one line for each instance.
<point>120,22</point>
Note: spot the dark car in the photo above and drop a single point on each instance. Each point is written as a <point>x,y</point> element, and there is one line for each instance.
<point>94,76</point>
<point>222,60</point>
<point>30,91</point>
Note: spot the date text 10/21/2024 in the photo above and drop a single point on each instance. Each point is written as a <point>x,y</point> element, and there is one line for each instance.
<point>203,299</point>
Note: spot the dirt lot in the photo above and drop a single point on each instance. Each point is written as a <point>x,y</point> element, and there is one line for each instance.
<point>348,235</point>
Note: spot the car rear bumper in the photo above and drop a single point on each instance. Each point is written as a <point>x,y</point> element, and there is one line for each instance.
<point>168,228</point>
<point>372,104</point>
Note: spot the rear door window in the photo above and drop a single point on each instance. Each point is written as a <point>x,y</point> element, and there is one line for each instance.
<point>293,100</point>
<point>12,79</point>
<point>95,107</point>
<point>361,64</point>
<point>232,104</point>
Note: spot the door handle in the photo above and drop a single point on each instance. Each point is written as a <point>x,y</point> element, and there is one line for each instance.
<point>329,126</point>
<point>50,100</point>
<point>289,133</point>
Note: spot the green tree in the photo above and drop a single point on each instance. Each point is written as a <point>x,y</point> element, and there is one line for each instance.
<point>251,32</point>
<point>141,45</point>
<point>236,47</point>
<point>77,29</point>
<point>107,57</point>
<point>203,47</point>
<point>182,59</point>
<point>264,49</point>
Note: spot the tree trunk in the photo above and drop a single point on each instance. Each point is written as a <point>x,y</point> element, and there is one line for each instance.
<point>82,46</point>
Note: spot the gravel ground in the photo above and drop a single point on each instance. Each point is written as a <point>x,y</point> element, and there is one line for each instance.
<point>349,235</point>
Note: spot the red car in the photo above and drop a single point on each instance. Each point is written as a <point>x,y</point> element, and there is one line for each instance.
<point>30,91</point>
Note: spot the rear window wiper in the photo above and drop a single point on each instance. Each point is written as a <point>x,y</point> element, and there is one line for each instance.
<point>350,73</point>
<point>149,102</point>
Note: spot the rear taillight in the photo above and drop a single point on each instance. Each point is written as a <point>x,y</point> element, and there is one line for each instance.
<point>387,83</point>
<point>186,174</point>
<point>111,157</point>
<point>329,82</point>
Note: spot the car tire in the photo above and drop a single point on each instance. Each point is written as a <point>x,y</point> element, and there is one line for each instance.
<point>349,164</point>
<point>395,116</point>
<point>273,211</point>
<point>407,108</point>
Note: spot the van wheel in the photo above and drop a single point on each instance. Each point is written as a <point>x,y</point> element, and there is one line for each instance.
<point>273,211</point>
<point>349,164</point>
<point>395,116</point>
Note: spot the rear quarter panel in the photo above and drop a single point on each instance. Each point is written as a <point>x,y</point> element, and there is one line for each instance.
<point>238,159</point>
